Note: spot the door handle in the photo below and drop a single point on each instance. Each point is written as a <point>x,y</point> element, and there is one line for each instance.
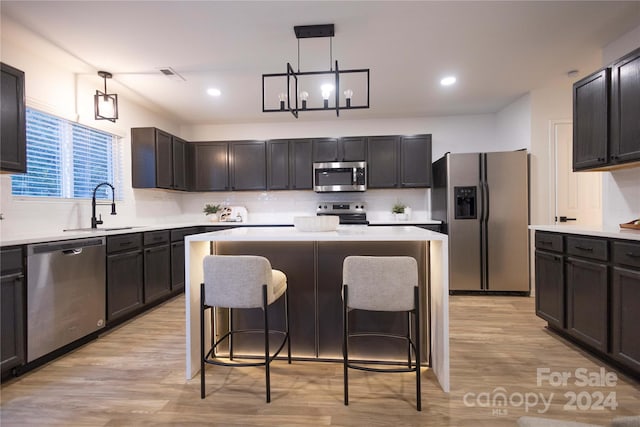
<point>565,219</point>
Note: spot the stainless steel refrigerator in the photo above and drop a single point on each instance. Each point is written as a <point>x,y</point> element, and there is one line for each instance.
<point>483,200</point>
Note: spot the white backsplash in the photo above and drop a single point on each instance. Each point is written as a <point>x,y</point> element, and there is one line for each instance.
<point>35,216</point>
<point>282,206</point>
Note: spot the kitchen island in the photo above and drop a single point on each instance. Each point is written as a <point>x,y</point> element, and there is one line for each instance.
<point>432,246</point>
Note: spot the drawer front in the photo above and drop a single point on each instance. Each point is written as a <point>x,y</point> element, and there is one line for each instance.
<point>125,242</point>
<point>549,241</point>
<point>156,237</point>
<point>588,248</point>
<point>178,235</point>
<point>11,260</point>
<point>626,254</point>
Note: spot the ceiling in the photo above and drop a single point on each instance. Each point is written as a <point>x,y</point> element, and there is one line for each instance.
<point>498,50</point>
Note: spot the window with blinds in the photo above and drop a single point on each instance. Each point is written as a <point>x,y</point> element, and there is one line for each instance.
<point>67,160</point>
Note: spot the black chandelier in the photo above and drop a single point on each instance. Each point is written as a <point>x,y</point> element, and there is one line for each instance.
<point>105,104</point>
<point>291,86</point>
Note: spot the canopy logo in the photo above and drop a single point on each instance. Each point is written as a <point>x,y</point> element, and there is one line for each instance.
<point>499,399</point>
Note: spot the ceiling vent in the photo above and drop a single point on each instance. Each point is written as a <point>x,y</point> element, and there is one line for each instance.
<point>172,74</point>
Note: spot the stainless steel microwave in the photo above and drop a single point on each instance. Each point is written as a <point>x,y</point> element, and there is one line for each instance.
<point>339,176</point>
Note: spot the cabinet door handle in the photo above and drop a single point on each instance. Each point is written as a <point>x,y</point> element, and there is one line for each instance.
<point>545,242</point>
<point>584,248</point>
<point>632,255</point>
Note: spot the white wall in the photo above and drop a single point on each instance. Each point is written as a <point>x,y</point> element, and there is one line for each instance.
<point>59,84</point>
<point>513,124</point>
<point>621,189</point>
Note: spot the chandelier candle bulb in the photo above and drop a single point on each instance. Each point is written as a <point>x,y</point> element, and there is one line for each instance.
<point>304,95</point>
<point>282,97</point>
<point>348,94</point>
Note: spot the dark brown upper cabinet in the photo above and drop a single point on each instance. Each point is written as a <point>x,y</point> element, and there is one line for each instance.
<point>289,164</point>
<point>300,164</point>
<point>248,161</point>
<point>591,120</point>
<point>382,161</point>
<point>158,159</point>
<point>606,117</point>
<point>179,147</point>
<point>325,149</point>
<point>415,161</point>
<point>13,134</point>
<point>625,109</point>
<point>210,166</point>
<point>399,161</point>
<point>278,164</point>
<point>347,149</point>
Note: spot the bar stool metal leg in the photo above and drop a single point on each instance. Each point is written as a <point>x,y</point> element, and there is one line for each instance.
<point>266,342</point>
<point>286,314</point>
<point>416,314</point>
<point>345,341</point>
<point>202,341</point>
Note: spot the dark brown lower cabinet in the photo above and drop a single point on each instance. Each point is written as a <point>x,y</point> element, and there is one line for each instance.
<point>12,323</point>
<point>157,272</point>
<point>177,266</point>
<point>124,283</point>
<point>587,301</point>
<point>550,299</point>
<point>625,317</point>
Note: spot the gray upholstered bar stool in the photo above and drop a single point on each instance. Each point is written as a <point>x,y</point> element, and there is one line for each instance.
<point>378,283</point>
<point>241,281</point>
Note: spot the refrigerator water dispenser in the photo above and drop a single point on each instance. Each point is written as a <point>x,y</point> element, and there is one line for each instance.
<point>465,203</point>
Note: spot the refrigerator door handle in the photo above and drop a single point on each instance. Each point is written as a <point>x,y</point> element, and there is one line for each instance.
<point>486,201</point>
<point>481,204</point>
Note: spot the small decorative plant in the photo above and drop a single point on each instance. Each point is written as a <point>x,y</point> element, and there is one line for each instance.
<point>211,209</point>
<point>398,208</point>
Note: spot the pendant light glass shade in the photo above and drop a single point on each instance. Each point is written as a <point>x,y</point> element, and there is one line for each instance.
<point>105,104</point>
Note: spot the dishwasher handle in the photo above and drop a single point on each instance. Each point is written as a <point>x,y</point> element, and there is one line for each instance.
<point>71,252</point>
<point>68,247</point>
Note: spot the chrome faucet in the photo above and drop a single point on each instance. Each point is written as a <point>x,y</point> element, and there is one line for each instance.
<point>95,221</point>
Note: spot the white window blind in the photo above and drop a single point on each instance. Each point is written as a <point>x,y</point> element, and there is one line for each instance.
<point>67,160</point>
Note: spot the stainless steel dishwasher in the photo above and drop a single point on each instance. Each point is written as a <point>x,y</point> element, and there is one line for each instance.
<point>66,288</point>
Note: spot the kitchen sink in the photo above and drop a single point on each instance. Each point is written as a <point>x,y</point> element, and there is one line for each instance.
<point>99,229</point>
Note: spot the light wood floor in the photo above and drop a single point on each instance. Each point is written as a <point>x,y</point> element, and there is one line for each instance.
<point>135,376</point>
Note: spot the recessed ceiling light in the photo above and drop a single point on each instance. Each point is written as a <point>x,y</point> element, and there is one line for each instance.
<point>448,81</point>
<point>214,91</point>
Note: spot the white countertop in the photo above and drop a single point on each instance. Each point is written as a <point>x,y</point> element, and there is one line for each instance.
<point>35,236</point>
<point>597,231</point>
<point>343,233</point>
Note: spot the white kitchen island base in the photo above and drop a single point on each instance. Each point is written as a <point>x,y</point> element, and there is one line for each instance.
<point>436,265</point>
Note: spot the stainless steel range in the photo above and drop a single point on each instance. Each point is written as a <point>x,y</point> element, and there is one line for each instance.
<point>349,212</point>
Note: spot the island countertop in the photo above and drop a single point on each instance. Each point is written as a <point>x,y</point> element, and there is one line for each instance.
<point>437,271</point>
<point>342,233</point>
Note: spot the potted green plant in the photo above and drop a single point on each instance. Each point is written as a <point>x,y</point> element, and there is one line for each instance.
<point>210,209</point>
<point>398,211</point>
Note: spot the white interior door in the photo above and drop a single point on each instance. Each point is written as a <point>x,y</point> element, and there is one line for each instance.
<point>578,194</point>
